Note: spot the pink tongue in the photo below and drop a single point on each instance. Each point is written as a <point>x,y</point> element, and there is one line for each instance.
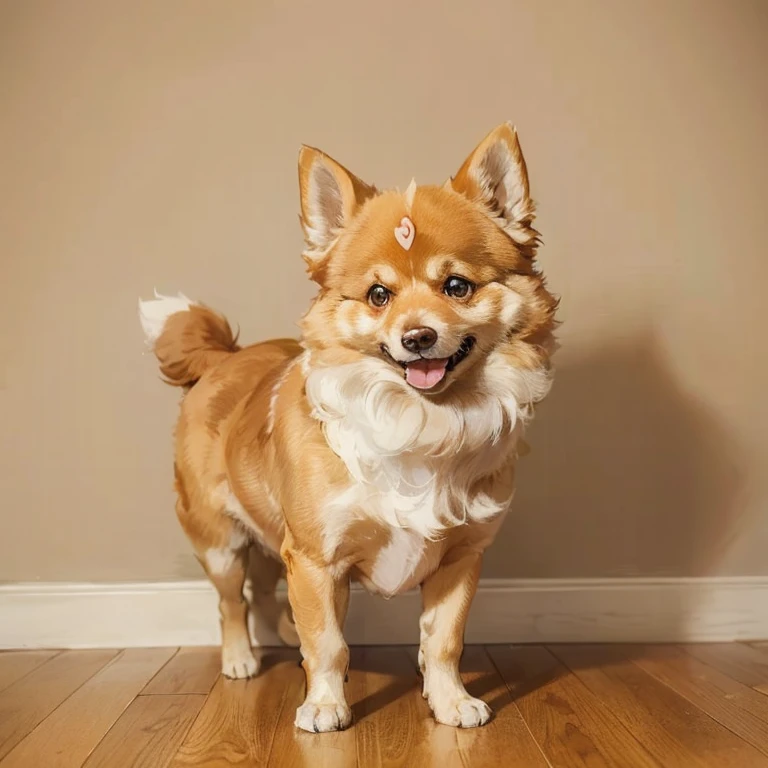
<point>425,374</point>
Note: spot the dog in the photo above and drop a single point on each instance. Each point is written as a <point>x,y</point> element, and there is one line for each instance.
<point>381,447</point>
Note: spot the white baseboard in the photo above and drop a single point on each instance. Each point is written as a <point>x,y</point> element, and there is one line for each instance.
<point>504,611</point>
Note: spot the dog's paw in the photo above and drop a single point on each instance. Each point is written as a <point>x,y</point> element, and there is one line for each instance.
<point>239,664</point>
<point>465,712</point>
<point>321,718</point>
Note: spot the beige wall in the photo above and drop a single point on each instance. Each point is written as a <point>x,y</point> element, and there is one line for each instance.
<point>153,143</point>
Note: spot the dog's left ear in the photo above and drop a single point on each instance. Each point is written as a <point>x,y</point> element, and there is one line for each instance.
<point>495,176</point>
<point>330,197</point>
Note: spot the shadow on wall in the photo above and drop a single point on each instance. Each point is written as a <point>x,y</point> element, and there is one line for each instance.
<point>628,476</point>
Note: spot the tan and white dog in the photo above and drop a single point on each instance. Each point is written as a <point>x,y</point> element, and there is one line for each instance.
<point>382,446</point>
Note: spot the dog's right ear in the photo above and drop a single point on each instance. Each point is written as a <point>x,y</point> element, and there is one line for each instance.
<point>330,197</point>
<point>495,176</point>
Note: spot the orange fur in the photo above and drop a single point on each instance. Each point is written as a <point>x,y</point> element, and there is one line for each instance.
<point>290,446</point>
<point>187,349</point>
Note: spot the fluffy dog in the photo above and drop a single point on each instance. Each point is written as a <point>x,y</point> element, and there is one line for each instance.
<point>382,446</point>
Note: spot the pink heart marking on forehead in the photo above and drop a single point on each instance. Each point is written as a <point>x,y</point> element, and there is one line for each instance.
<point>405,233</point>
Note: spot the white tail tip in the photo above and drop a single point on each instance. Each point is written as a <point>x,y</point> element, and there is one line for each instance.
<point>154,313</point>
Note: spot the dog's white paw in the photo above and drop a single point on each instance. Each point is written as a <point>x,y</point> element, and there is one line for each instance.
<point>321,718</point>
<point>465,712</point>
<point>239,663</point>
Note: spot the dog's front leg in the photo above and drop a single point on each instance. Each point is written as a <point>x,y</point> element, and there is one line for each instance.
<point>319,599</point>
<point>447,595</point>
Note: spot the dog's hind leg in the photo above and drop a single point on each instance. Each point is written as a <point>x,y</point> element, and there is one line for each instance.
<point>221,546</point>
<point>286,627</point>
<point>226,568</point>
<point>270,614</point>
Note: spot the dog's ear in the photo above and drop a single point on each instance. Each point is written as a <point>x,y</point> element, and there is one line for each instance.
<point>495,176</point>
<point>330,197</point>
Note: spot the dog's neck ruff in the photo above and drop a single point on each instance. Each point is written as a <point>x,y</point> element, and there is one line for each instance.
<point>417,464</point>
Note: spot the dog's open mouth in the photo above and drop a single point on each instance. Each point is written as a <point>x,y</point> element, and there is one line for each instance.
<point>428,372</point>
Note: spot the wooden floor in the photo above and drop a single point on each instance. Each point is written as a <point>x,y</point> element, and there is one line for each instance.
<point>613,706</point>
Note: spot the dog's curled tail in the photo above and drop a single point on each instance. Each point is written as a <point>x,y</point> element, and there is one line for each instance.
<point>186,337</point>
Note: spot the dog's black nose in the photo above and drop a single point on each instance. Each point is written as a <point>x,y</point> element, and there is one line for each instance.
<point>419,339</point>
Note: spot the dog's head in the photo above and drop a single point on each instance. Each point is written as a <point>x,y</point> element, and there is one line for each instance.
<point>432,281</point>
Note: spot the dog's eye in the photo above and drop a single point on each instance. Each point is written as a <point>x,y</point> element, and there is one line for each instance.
<point>458,288</point>
<point>378,295</point>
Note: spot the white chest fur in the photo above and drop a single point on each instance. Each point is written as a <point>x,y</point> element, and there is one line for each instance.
<point>415,464</point>
<point>408,556</point>
<point>399,564</point>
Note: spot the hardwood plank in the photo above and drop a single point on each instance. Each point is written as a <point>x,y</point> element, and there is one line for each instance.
<point>641,705</point>
<point>674,731</point>
<point>191,670</point>
<point>392,722</point>
<point>733,704</point>
<point>148,733</point>
<point>567,720</point>
<point>67,736</point>
<point>15,664</point>
<point>29,700</point>
<point>237,723</point>
<point>505,740</point>
<point>741,662</point>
